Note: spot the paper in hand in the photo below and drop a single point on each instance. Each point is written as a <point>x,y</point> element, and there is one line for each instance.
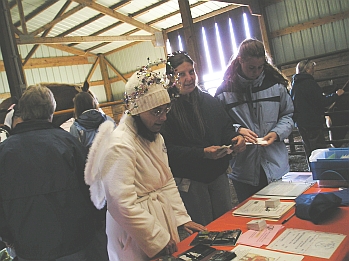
<point>225,148</point>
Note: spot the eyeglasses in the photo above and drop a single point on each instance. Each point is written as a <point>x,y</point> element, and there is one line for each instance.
<point>158,112</point>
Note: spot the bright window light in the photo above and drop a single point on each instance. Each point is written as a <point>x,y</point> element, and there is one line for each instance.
<point>207,52</point>
<point>232,36</point>
<point>247,28</point>
<point>212,81</point>
<point>220,50</point>
<point>168,46</point>
<point>180,43</point>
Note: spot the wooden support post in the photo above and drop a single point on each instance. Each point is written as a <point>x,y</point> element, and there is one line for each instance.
<point>105,77</point>
<point>11,58</point>
<point>190,37</point>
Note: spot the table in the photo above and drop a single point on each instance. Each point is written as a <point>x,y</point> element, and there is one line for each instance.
<point>338,224</point>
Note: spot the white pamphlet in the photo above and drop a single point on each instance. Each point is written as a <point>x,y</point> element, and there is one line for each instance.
<point>307,242</point>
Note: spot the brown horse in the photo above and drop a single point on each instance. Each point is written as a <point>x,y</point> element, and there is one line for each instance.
<point>63,93</point>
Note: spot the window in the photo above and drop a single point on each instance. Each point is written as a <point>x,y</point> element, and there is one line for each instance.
<point>218,38</point>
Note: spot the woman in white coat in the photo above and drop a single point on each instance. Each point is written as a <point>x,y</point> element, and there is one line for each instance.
<point>128,168</point>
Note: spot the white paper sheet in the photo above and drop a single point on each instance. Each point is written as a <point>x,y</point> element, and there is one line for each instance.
<point>246,253</point>
<point>307,242</point>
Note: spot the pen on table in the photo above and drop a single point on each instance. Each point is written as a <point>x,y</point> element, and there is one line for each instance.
<point>287,219</point>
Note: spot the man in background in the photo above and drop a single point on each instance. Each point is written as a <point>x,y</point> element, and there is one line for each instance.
<point>45,208</point>
<point>309,106</point>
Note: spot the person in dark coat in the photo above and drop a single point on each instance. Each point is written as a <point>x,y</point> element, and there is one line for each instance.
<point>195,132</point>
<point>88,118</point>
<point>45,208</point>
<point>310,104</point>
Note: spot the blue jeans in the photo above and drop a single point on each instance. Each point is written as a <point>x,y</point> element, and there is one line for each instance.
<point>207,202</point>
<point>244,191</point>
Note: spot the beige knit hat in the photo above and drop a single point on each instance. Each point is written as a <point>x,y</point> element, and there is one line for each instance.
<point>144,91</point>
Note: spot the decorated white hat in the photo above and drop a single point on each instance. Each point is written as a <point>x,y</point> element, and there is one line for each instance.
<point>144,91</point>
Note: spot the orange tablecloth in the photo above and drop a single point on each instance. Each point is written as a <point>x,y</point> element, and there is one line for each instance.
<point>338,224</point>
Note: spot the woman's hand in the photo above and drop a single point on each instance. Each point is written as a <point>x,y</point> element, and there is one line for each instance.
<point>270,138</point>
<point>239,144</point>
<point>249,135</point>
<point>214,152</point>
<point>192,227</point>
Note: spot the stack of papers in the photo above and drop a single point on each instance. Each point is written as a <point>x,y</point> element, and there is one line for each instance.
<point>256,208</point>
<point>244,253</point>
<point>259,238</point>
<point>299,177</point>
<point>283,190</point>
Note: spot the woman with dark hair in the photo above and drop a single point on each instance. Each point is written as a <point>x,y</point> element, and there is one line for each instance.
<point>128,168</point>
<point>88,117</point>
<point>195,132</point>
<point>254,93</point>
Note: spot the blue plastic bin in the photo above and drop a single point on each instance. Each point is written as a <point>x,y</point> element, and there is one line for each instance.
<point>330,164</point>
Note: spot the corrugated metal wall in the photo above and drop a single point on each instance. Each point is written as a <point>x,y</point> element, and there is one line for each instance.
<point>63,74</point>
<point>130,59</point>
<point>291,47</point>
<point>310,42</point>
<point>125,61</point>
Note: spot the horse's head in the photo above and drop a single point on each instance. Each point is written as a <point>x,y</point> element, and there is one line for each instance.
<point>64,95</point>
<point>4,106</point>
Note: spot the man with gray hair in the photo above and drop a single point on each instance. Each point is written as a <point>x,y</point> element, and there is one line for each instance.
<point>309,106</point>
<point>45,209</point>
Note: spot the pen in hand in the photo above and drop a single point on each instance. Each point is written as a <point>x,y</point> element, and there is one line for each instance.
<point>287,219</point>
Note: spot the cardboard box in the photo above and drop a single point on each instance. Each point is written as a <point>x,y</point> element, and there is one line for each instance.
<point>330,166</point>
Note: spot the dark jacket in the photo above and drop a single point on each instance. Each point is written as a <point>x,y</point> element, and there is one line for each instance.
<point>186,156</point>
<point>309,102</point>
<point>45,208</point>
<point>86,126</point>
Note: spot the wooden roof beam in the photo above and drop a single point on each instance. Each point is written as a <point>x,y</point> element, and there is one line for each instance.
<point>117,15</point>
<point>100,32</point>
<point>138,13</point>
<point>146,9</point>
<point>71,50</point>
<point>310,24</point>
<point>53,62</point>
<point>105,77</point>
<point>21,17</point>
<point>81,39</point>
<point>203,17</point>
<point>37,11</point>
<point>92,19</point>
<point>57,20</point>
<point>12,4</point>
<point>162,18</point>
<point>36,46</point>
<point>150,23</point>
<point>115,70</point>
<point>253,5</point>
<point>96,46</point>
<point>92,70</point>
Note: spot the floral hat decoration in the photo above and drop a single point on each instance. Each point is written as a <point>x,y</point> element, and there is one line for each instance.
<point>145,90</point>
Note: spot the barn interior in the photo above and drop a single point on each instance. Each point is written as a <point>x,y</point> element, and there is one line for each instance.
<point>104,42</point>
